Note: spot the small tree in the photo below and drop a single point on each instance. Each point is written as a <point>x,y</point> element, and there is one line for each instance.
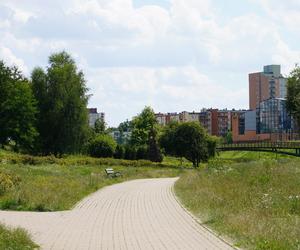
<point>102,146</point>
<point>99,126</point>
<point>188,140</point>
<point>155,154</point>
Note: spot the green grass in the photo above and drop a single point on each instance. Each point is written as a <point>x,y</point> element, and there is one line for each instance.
<point>256,203</point>
<point>250,156</point>
<point>55,187</point>
<point>15,239</point>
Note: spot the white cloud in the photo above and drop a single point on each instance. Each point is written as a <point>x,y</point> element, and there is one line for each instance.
<point>184,57</point>
<point>126,91</point>
<point>7,55</point>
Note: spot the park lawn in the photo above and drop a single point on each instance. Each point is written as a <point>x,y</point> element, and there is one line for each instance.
<point>255,203</point>
<point>61,184</point>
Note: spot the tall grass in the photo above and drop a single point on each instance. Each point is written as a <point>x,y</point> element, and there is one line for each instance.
<point>255,203</point>
<point>15,239</point>
<point>55,184</point>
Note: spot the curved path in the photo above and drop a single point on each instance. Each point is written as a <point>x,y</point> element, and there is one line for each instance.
<point>139,214</point>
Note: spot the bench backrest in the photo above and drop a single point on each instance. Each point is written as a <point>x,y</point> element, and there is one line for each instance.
<point>109,171</point>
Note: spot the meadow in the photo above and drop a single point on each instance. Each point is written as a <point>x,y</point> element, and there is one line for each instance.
<point>255,202</point>
<point>251,198</point>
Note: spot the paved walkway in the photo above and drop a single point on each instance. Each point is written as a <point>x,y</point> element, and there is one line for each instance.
<point>139,214</point>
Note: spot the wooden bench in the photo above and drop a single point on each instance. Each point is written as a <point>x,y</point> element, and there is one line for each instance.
<point>111,173</point>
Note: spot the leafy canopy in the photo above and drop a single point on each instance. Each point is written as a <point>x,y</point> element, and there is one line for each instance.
<point>188,140</point>
<point>17,109</point>
<point>62,100</point>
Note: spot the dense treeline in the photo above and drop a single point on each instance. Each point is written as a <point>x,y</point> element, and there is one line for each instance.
<point>47,114</point>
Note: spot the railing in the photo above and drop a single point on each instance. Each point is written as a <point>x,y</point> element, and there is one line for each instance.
<point>263,145</point>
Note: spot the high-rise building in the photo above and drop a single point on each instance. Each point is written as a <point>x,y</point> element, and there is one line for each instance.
<point>265,85</point>
<point>94,116</point>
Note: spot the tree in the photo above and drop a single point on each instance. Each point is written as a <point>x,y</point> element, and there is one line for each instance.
<point>188,140</point>
<point>155,154</point>
<point>120,152</point>
<point>102,146</point>
<point>62,100</point>
<point>167,138</point>
<point>99,126</point>
<point>17,109</point>
<point>141,127</point>
<point>293,94</point>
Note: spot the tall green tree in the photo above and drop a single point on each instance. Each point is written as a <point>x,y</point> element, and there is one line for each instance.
<point>142,126</point>
<point>62,101</point>
<point>293,94</point>
<point>17,109</point>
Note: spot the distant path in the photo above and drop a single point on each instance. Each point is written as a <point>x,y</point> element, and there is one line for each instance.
<point>139,214</point>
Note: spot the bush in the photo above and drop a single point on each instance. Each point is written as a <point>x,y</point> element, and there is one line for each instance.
<point>130,153</point>
<point>120,152</point>
<point>102,146</point>
<point>142,153</point>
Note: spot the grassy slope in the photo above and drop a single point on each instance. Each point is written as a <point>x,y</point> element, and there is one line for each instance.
<point>256,203</point>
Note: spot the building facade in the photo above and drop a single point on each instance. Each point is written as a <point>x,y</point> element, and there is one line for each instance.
<point>267,118</point>
<point>216,122</point>
<point>94,116</point>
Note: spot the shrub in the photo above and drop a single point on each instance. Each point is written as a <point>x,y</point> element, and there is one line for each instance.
<point>142,153</point>
<point>102,146</point>
<point>130,153</point>
<point>120,152</point>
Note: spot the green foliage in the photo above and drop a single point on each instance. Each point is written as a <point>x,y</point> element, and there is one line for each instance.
<point>142,153</point>
<point>130,152</point>
<point>62,102</point>
<point>141,127</point>
<point>188,140</point>
<point>167,138</point>
<point>155,153</point>
<point>99,126</point>
<point>15,239</point>
<point>17,109</point>
<point>125,126</point>
<point>102,146</point>
<point>228,137</point>
<point>120,152</point>
<point>293,93</point>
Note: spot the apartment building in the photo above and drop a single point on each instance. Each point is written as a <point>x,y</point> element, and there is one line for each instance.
<point>216,122</point>
<point>266,85</point>
<point>94,115</point>
<point>267,118</point>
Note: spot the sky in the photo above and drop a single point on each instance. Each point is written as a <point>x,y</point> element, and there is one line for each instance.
<point>172,55</point>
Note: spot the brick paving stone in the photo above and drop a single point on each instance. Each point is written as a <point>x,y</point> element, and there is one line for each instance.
<point>139,214</point>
